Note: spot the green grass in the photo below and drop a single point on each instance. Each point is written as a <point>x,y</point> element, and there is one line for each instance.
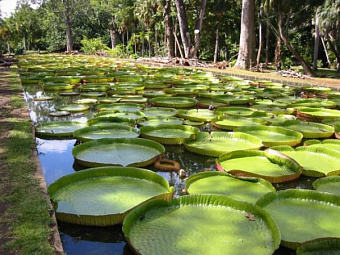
<point>29,217</point>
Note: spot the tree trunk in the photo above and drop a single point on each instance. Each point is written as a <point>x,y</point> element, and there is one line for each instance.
<point>168,29</point>
<point>216,43</point>
<point>156,42</point>
<point>334,48</point>
<point>258,58</point>
<point>326,51</point>
<point>267,43</point>
<point>278,53</point>
<point>24,42</point>
<point>198,29</point>
<point>183,27</point>
<point>305,66</point>
<point>149,42</point>
<point>69,44</point>
<point>246,50</point>
<point>143,42</point>
<point>316,43</point>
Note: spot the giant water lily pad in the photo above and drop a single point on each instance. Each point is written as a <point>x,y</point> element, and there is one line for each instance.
<point>317,113</point>
<point>320,247</point>
<point>175,102</point>
<point>303,215</point>
<point>105,131</point>
<point>308,129</point>
<point>272,136</point>
<point>197,114</point>
<point>236,111</point>
<point>233,122</point>
<point>330,184</point>
<point>269,165</point>
<point>104,196</point>
<point>315,161</point>
<point>58,128</point>
<point>118,152</point>
<point>333,144</point>
<point>120,107</point>
<point>245,189</point>
<point>201,224</point>
<point>123,115</point>
<point>160,112</point>
<point>217,143</point>
<point>74,108</point>
<point>156,121</point>
<point>169,134</point>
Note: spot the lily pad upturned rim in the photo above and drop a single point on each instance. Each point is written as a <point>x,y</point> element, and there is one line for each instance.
<point>193,178</point>
<point>307,112</point>
<point>311,195</point>
<point>45,125</point>
<point>175,102</point>
<point>312,149</point>
<point>74,108</point>
<point>205,137</point>
<point>316,246</point>
<point>269,143</point>
<point>325,180</point>
<point>101,172</point>
<point>272,155</point>
<point>327,131</point>
<point>201,200</point>
<point>247,122</point>
<point>79,134</point>
<point>167,140</point>
<point>137,141</point>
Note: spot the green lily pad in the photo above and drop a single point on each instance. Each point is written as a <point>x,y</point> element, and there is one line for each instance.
<point>169,134</point>
<point>156,121</point>
<point>160,112</point>
<point>303,215</point>
<point>120,107</point>
<point>105,131</point>
<point>273,136</point>
<point>269,165</point>
<point>247,189</point>
<point>74,108</point>
<point>109,100</point>
<point>122,114</point>
<point>217,143</point>
<point>118,152</point>
<point>175,102</point>
<point>315,161</point>
<point>104,196</point>
<point>58,128</point>
<point>57,86</point>
<point>59,114</point>
<point>320,247</point>
<point>43,98</point>
<point>200,224</point>
<point>236,111</point>
<point>234,100</point>
<point>197,114</point>
<point>233,122</point>
<point>330,184</point>
<point>317,113</point>
<point>308,129</point>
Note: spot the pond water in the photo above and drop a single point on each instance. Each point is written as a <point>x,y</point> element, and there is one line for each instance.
<point>56,159</point>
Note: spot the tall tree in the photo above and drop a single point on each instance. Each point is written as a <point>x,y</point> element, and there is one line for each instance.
<point>330,26</point>
<point>246,55</point>
<point>168,28</point>
<point>190,50</point>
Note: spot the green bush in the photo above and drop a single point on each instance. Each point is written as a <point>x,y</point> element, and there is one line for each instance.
<point>91,46</point>
<point>117,52</point>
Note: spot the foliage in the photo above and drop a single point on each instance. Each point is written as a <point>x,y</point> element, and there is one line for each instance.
<point>91,46</point>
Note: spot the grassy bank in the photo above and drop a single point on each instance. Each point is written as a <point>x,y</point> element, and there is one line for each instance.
<point>25,219</point>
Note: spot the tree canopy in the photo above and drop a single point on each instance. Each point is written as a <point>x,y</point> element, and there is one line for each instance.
<point>204,29</point>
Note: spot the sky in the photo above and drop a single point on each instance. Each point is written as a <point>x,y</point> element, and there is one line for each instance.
<point>7,7</point>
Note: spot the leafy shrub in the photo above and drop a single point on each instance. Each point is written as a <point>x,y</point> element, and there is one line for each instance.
<point>91,46</point>
<point>117,52</point>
